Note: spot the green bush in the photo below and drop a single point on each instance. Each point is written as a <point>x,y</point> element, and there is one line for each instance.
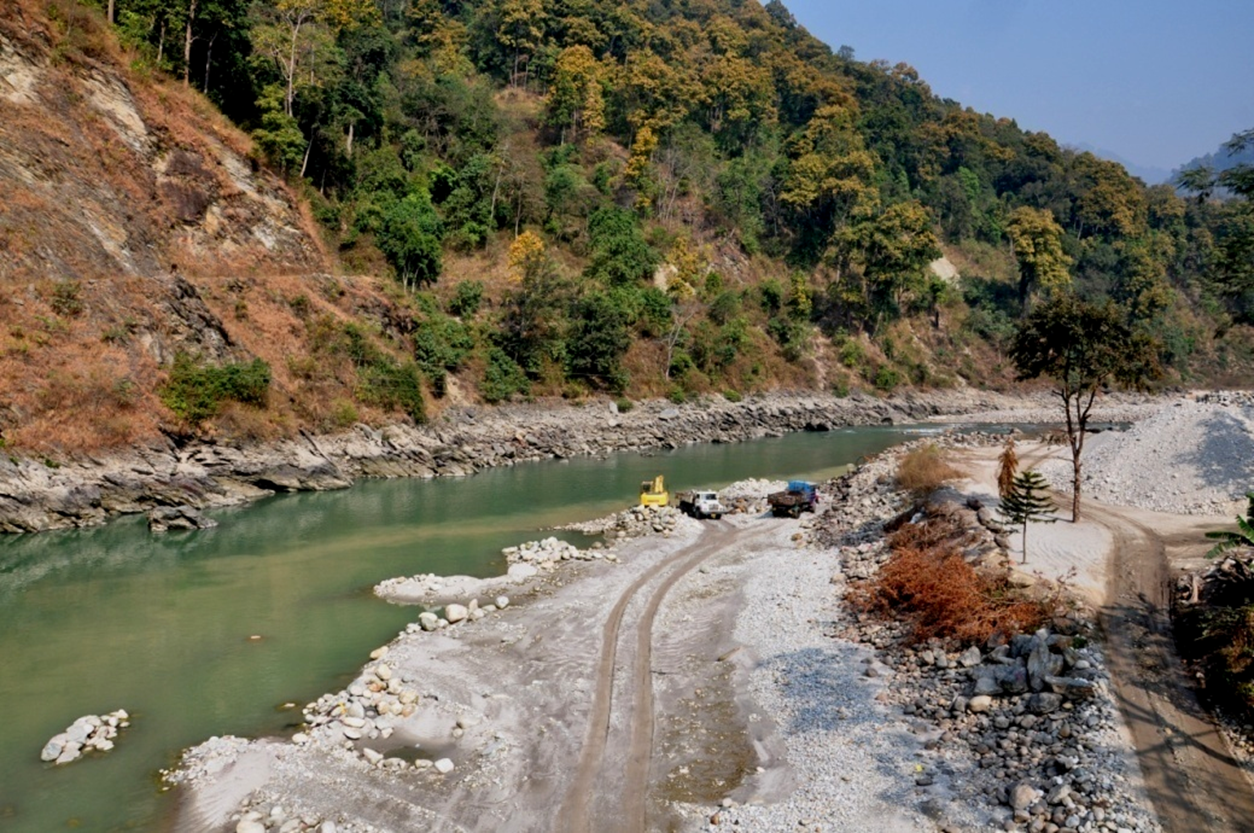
<point>789,334</point>
<point>620,254</point>
<point>392,385</point>
<point>467,297</point>
<point>197,391</point>
<point>624,404</point>
<point>381,380</point>
<point>343,413</point>
<point>596,340</point>
<point>441,344</point>
<point>732,395</point>
<point>724,307</point>
<point>852,353</point>
<point>410,239</point>
<point>502,378</point>
<point>65,298</point>
<point>772,296</point>
<point>887,379</point>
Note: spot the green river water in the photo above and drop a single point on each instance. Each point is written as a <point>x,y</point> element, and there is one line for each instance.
<point>115,617</point>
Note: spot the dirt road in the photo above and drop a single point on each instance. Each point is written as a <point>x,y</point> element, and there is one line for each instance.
<point>1190,775</point>
<point>1189,772</point>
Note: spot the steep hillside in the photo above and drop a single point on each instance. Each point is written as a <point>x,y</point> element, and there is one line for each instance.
<point>107,174</point>
<point>535,198</point>
<point>137,230</point>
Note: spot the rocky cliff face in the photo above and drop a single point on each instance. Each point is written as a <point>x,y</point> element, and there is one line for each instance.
<point>134,225</point>
<point>106,174</point>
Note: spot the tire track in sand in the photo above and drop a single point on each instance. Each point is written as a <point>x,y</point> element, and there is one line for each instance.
<point>631,785</point>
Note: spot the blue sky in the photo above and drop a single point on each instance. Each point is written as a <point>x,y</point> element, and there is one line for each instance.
<point>1157,82</point>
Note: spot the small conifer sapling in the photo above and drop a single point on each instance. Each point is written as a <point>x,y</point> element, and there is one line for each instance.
<point>1028,500</point>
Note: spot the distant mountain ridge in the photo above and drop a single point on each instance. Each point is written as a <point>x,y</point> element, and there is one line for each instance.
<point>1220,160</point>
<point>1148,174</point>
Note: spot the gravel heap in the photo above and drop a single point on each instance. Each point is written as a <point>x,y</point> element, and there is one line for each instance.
<point>1194,457</point>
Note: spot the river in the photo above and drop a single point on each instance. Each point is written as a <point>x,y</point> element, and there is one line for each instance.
<point>231,630</point>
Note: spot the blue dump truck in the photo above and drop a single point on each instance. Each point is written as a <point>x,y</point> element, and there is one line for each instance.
<point>799,497</point>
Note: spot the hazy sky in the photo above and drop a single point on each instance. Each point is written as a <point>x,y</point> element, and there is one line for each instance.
<point>1157,82</point>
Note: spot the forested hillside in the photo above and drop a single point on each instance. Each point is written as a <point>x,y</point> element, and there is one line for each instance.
<point>677,197</point>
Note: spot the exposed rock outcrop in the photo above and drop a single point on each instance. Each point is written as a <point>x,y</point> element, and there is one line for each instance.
<point>34,496</point>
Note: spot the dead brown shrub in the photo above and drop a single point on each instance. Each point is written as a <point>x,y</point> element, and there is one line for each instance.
<point>928,582</point>
<point>925,470</point>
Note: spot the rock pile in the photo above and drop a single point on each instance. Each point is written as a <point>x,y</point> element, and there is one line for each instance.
<point>275,819</point>
<point>368,710</point>
<point>1190,458</point>
<point>1029,726</point>
<point>91,732</point>
<point>548,553</point>
<point>457,613</point>
<point>631,523</point>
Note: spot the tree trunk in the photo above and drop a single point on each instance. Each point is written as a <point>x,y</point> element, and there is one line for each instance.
<point>496,187</point>
<point>161,44</point>
<point>348,144</point>
<point>304,163</point>
<point>291,70</point>
<point>208,58</point>
<point>111,17</point>
<point>1024,559</point>
<point>187,45</point>
<point>1076,423</point>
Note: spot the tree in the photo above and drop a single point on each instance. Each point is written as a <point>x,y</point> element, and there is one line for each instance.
<point>1242,538</point>
<point>596,340</point>
<point>894,248</point>
<point>1233,267</point>
<point>410,238</point>
<point>1036,239</point>
<point>575,100</point>
<point>521,28</point>
<point>292,38</point>
<point>1027,501</point>
<point>1083,348</point>
<point>532,313</point>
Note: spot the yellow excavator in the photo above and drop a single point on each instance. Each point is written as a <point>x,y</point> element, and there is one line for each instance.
<point>653,492</point>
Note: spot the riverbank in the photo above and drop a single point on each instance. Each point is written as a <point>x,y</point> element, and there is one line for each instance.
<point>43,494</point>
<point>761,700</point>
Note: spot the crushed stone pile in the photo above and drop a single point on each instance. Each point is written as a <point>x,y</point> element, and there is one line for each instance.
<point>1195,457</point>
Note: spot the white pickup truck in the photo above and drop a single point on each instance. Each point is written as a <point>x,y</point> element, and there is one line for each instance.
<point>700,504</point>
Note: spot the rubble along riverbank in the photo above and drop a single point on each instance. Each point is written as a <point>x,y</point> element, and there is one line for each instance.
<point>35,495</point>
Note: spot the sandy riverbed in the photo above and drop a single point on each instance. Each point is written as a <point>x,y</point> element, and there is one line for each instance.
<point>692,683</point>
